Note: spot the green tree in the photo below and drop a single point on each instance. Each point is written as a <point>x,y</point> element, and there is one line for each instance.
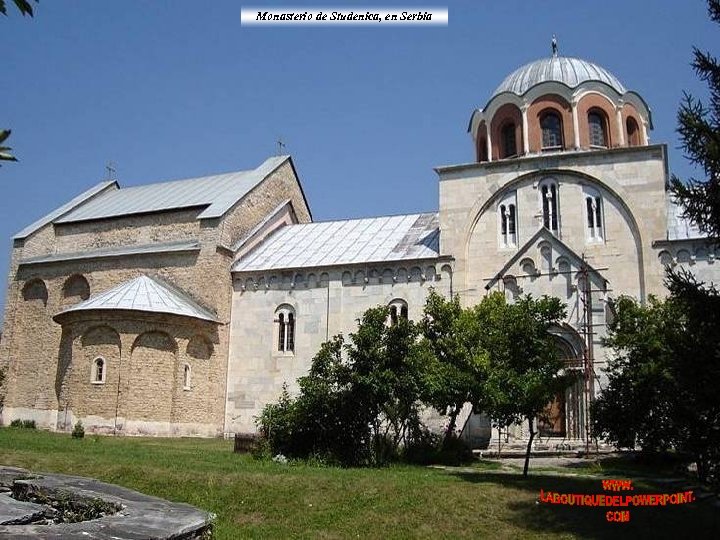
<point>699,129</point>
<point>359,402</point>
<point>454,372</point>
<point>24,6</point>
<point>524,371</point>
<point>635,409</point>
<point>662,391</point>
<point>5,154</point>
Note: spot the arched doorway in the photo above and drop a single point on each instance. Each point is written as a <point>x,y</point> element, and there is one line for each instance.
<point>564,416</point>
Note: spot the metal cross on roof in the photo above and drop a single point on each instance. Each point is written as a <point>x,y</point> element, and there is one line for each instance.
<point>281,147</point>
<point>110,170</point>
<point>554,45</point>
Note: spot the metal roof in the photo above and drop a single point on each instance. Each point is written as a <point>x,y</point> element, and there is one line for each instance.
<point>145,294</point>
<point>678,227</point>
<point>84,196</point>
<point>217,193</point>
<point>353,241</point>
<point>570,71</point>
<point>168,247</point>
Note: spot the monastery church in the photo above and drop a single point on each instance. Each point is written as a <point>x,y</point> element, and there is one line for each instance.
<point>181,308</point>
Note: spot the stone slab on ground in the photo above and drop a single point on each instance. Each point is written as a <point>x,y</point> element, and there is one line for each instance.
<point>141,516</point>
<point>13,512</point>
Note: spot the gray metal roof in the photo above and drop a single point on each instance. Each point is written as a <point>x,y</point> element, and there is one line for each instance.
<point>217,193</point>
<point>353,241</point>
<point>678,227</point>
<point>168,247</point>
<point>49,218</point>
<point>145,294</point>
<point>569,71</point>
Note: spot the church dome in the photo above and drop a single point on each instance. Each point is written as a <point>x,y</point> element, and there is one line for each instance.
<point>571,72</point>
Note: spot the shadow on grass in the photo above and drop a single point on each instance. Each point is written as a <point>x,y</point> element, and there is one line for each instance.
<point>699,519</point>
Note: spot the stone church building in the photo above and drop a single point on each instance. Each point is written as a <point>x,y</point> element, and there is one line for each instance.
<point>181,308</point>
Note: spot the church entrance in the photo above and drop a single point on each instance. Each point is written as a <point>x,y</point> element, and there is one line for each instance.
<point>564,416</point>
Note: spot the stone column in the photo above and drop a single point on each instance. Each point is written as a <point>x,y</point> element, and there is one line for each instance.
<point>620,127</point>
<point>489,141</point>
<point>645,132</point>
<point>576,126</point>
<point>526,136</point>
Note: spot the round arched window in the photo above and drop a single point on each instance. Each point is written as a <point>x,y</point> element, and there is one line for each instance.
<point>597,129</point>
<point>551,126</point>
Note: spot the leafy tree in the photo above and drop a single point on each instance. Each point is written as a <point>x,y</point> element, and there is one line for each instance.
<point>635,409</point>
<point>360,400</point>
<point>454,372</point>
<point>24,6</point>
<point>699,129</point>
<point>662,390</point>
<point>523,368</point>
<point>26,9</point>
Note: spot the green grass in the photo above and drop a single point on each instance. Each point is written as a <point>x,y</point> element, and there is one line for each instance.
<point>267,500</point>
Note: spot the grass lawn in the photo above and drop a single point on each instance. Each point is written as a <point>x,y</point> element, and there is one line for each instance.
<point>267,500</point>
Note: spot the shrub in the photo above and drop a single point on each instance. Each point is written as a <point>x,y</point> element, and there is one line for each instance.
<point>28,424</point>
<point>432,448</point>
<point>78,431</point>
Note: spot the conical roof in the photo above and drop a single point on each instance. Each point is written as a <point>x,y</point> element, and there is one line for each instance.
<point>145,294</point>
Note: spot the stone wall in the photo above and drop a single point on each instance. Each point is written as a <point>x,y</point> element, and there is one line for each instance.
<point>325,302</point>
<point>36,349</point>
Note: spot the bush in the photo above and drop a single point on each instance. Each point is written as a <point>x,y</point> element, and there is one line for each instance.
<point>28,424</point>
<point>430,449</point>
<point>78,431</point>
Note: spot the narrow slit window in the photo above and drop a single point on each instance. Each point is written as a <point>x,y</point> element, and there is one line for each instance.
<point>593,210</point>
<point>98,370</point>
<point>285,329</point>
<point>549,196</point>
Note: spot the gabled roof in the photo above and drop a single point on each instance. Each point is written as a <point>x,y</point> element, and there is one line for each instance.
<point>553,240</point>
<point>65,208</point>
<point>144,294</point>
<point>216,193</point>
<point>352,241</point>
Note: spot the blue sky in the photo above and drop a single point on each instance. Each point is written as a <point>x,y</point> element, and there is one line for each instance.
<point>173,89</point>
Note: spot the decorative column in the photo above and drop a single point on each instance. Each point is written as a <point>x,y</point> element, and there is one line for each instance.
<point>489,141</point>
<point>526,136</point>
<point>645,133</point>
<point>620,126</point>
<point>576,124</point>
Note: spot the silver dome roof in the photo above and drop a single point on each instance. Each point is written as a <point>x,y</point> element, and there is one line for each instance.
<point>569,71</point>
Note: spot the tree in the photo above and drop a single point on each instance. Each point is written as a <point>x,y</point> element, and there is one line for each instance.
<point>635,409</point>
<point>23,6</point>
<point>454,373</point>
<point>662,388</point>
<point>26,9</point>
<point>359,403</point>
<point>699,129</point>
<point>524,371</point>
<point>5,154</point>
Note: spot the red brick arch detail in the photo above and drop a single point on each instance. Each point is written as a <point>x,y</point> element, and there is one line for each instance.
<point>545,103</point>
<point>629,111</point>
<point>599,103</point>
<point>506,113</point>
